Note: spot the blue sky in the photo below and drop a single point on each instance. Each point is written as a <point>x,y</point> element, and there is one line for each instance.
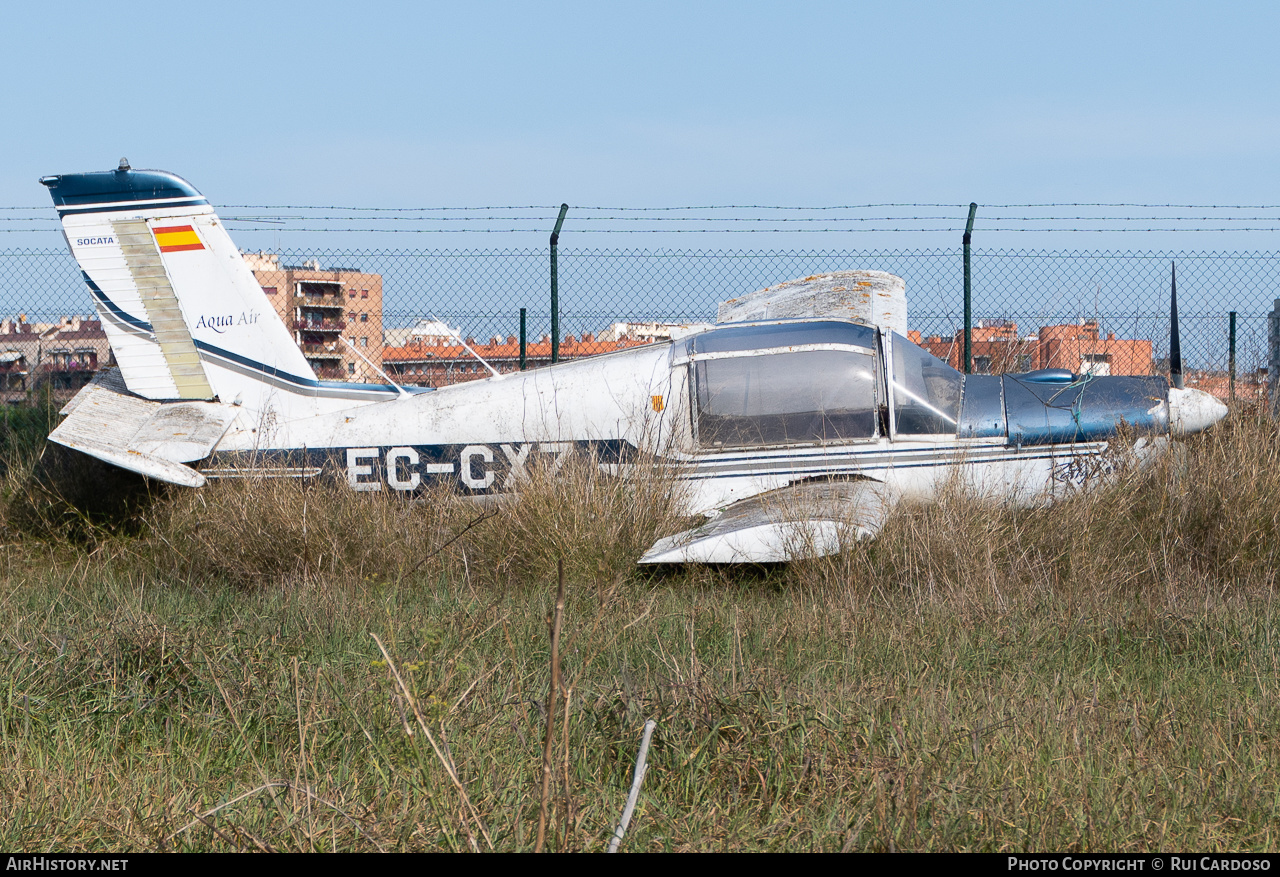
<point>658,104</point>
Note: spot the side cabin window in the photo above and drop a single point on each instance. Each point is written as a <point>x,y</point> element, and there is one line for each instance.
<point>808,383</point>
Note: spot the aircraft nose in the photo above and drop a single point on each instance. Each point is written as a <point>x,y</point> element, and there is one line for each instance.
<point>1192,411</point>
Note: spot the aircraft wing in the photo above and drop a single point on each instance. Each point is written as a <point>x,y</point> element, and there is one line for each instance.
<point>154,439</point>
<point>810,519</point>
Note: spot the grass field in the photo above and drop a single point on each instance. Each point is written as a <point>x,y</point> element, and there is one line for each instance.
<point>198,670</point>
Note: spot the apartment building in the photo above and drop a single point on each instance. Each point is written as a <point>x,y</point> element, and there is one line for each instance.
<point>62,356</point>
<point>1078,347</point>
<point>334,314</point>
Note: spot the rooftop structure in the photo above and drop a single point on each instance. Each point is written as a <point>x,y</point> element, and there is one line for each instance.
<point>425,330</point>
<point>440,362</point>
<point>650,331</point>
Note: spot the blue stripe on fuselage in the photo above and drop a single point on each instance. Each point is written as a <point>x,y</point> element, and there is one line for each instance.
<point>479,468</point>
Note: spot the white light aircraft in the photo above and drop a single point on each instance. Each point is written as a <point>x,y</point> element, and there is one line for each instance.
<point>798,421</point>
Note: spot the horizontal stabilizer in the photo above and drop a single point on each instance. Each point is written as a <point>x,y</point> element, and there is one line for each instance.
<point>151,438</point>
<point>811,519</point>
<point>144,464</point>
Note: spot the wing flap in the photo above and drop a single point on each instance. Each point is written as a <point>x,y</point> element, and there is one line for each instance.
<point>811,519</point>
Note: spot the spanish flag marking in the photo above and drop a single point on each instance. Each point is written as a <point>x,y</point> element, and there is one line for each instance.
<point>176,238</point>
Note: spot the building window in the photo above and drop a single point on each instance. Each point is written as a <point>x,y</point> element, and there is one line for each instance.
<point>351,368</point>
<point>364,293</point>
<point>351,315</point>
<point>319,288</point>
<point>351,293</point>
<point>1097,364</point>
<point>364,318</point>
<point>364,340</point>
<point>269,290</point>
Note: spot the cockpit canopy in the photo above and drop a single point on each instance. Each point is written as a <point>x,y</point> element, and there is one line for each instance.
<point>814,382</point>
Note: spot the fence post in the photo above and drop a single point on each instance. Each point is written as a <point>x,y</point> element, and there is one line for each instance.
<point>1231,354</point>
<point>555,287</point>
<point>1273,356</point>
<point>522,339</point>
<point>968,290</point>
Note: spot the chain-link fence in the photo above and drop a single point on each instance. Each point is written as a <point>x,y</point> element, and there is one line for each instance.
<point>1109,309</point>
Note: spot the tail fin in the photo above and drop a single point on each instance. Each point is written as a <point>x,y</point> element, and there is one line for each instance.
<point>183,313</point>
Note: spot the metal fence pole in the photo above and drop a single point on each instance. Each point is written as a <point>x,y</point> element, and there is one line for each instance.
<point>1273,356</point>
<point>1231,354</point>
<point>555,287</point>
<point>968,290</point>
<point>522,338</point>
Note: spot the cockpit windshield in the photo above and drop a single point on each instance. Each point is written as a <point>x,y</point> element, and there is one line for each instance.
<point>812,383</point>
<point>926,391</point>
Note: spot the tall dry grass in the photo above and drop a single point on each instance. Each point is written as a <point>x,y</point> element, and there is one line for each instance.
<point>258,531</point>
<point>1208,511</point>
<point>1204,514</point>
<point>51,493</point>
<point>1098,675</point>
<point>598,524</point>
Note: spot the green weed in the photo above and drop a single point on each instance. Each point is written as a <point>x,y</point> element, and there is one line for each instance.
<point>1099,675</point>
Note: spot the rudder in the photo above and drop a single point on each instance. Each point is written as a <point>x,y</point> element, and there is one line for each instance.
<point>183,313</point>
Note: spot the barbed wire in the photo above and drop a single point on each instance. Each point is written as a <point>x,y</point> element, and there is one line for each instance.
<point>879,205</point>
<point>282,219</point>
<point>595,219</point>
<point>898,230</point>
<point>756,230</point>
<point>631,209</point>
<point>761,219</point>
